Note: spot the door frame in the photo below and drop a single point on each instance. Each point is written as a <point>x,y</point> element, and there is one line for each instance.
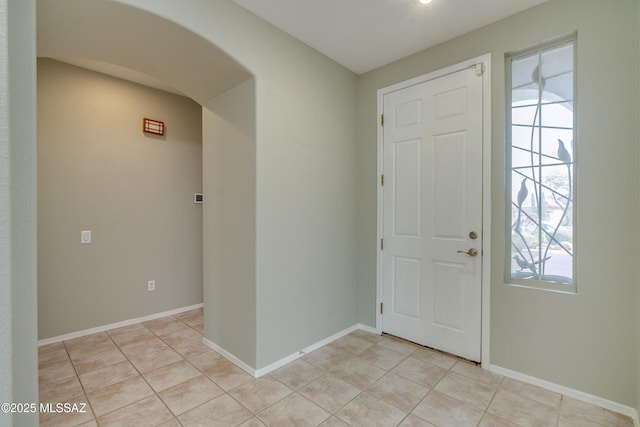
<point>485,60</point>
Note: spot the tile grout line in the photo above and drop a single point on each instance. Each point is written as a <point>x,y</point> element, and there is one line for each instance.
<point>450,369</point>
<point>155,393</point>
<point>278,401</point>
<point>175,416</point>
<point>227,392</point>
<point>353,356</point>
<point>431,389</point>
<point>139,373</point>
<point>495,393</point>
<point>142,376</point>
<point>329,372</point>
<point>386,372</point>
<point>84,392</point>
<point>560,409</point>
<point>135,368</point>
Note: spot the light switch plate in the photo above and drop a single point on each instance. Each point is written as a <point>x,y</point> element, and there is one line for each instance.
<point>85,237</point>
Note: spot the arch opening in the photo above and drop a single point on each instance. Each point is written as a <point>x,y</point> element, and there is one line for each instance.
<point>114,33</point>
<point>132,39</point>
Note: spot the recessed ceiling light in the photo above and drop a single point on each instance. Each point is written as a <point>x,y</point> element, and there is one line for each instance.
<point>425,1</point>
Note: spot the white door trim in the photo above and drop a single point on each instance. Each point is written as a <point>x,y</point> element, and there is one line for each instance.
<point>486,190</point>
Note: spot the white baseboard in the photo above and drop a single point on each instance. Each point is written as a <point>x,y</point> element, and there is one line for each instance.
<point>368,329</point>
<point>110,326</point>
<point>579,395</point>
<point>230,357</point>
<point>257,373</point>
<point>277,364</point>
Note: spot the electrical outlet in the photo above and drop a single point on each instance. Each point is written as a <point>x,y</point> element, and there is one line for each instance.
<point>151,285</point>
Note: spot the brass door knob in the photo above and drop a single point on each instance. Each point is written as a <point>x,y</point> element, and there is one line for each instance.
<point>470,252</point>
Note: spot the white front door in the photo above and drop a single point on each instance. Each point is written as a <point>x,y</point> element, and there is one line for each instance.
<point>432,213</point>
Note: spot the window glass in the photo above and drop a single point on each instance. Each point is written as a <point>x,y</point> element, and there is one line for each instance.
<point>541,162</point>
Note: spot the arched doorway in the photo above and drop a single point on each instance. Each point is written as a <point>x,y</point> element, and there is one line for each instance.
<point>110,32</point>
<point>113,33</point>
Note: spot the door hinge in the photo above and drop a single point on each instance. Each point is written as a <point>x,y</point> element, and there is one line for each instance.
<point>381,306</point>
<point>382,120</point>
<point>479,69</point>
<point>381,244</point>
<point>382,180</point>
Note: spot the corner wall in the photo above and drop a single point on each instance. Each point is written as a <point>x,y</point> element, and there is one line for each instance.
<point>587,341</point>
<point>229,223</point>
<point>97,171</point>
<point>306,200</point>
<point>305,176</point>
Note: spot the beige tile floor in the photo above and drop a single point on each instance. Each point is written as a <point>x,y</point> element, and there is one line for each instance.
<point>158,373</point>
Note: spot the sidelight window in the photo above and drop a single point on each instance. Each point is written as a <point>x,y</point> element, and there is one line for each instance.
<point>541,167</point>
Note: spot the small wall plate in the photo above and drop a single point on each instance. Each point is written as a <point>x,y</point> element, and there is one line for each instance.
<point>197,198</point>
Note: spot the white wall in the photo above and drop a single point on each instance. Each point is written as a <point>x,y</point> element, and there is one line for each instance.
<point>588,341</point>
<point>18,356</point>
<point>97,171</point>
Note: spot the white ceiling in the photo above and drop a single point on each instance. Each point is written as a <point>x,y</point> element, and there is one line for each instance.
<point>366,34</point>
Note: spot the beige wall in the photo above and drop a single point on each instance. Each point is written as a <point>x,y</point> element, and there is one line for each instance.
<point>6,283</point>
<point>305,121</point>
<point>229,156</point>
<point>587,341</point>
<point>638,121</point>
<point>305,192</point>
<point>18,355</point>
<point>97,171</point>
<point>305,198</point>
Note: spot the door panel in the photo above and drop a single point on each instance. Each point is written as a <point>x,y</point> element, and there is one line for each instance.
<point>406,287</point>
<point>432,200</point>
<point>408,114</point>
<point>451,104</point>
<point>407,193</point>
<point>449,296</point>
<point>449,190</point>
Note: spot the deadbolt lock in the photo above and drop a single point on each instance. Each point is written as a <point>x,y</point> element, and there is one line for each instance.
<point>473,235</point>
